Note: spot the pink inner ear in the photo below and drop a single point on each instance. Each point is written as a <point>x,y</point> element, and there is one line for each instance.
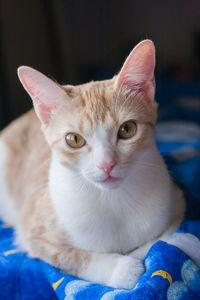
<point>138,70</point>
<point>28,83</point>
<point>43,111</point>
<point>45,93</point>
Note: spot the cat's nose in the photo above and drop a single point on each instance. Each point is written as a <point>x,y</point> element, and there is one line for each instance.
<point>107,166</point>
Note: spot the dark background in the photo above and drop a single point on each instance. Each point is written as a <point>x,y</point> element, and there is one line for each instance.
<point>76,41</point>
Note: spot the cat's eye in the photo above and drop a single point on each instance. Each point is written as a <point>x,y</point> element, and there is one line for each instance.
<point>75,140</point>
<point>127,130</point>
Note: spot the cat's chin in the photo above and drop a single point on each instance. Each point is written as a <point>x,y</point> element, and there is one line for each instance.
<point>109,183</point>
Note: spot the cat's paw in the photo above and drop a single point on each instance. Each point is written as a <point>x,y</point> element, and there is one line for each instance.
<point>126,272</point>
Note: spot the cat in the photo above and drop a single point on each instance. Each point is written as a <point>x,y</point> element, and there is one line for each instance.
<point>89,192</point>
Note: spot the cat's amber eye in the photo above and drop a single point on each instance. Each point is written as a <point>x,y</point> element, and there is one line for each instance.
<point>75,140</point>
<point>127,130</point>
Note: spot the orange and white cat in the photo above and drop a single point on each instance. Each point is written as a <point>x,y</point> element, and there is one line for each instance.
<point>89,192</point>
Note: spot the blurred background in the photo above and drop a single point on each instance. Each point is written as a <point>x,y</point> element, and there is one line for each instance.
<point>76,41</point>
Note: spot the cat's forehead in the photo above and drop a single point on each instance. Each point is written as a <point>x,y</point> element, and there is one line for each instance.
<point>99,102</point>
<point>94,100</point>
<point>93,94</point>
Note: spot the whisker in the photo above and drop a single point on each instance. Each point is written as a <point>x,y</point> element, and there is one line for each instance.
<point>145,164</point>
<point>172,174</point>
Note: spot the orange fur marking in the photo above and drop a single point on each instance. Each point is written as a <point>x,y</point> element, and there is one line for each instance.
<point>81,125</point>
<point>88,118</point>
<point>89,148</point>
<point>82,101</point>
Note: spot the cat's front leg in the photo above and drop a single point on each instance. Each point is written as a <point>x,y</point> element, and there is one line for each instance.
<point>127,272</point>
<point>119,271</point>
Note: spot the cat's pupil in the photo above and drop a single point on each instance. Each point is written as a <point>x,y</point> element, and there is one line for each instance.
<point>126,128</point>
<point>76,139</point>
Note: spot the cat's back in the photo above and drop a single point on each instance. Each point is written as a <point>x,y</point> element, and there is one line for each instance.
<point>22,139</point>
<point>24,160</point>
<point>17,135</point>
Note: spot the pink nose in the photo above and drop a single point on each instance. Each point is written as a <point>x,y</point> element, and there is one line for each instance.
<point>107,167</point>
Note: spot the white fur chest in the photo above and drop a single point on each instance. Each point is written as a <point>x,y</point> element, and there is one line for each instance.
<point>117,220</point>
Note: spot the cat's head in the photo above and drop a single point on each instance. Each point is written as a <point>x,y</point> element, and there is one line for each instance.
<point>97,129</point>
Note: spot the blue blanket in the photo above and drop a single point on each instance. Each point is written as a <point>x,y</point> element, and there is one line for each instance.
<point>170,273</point>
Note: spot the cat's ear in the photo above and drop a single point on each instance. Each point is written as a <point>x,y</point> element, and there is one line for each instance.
<point>45,93</point>
<point>137,73</point>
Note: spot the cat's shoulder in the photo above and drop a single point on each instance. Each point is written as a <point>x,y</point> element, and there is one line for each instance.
<point>23,133</point>
<point>27,122</point>
<point>21,129</point>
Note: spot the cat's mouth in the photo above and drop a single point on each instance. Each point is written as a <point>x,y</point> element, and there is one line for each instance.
<point>111,182</point>
<point>108,182</point>
<point>111,179</point>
